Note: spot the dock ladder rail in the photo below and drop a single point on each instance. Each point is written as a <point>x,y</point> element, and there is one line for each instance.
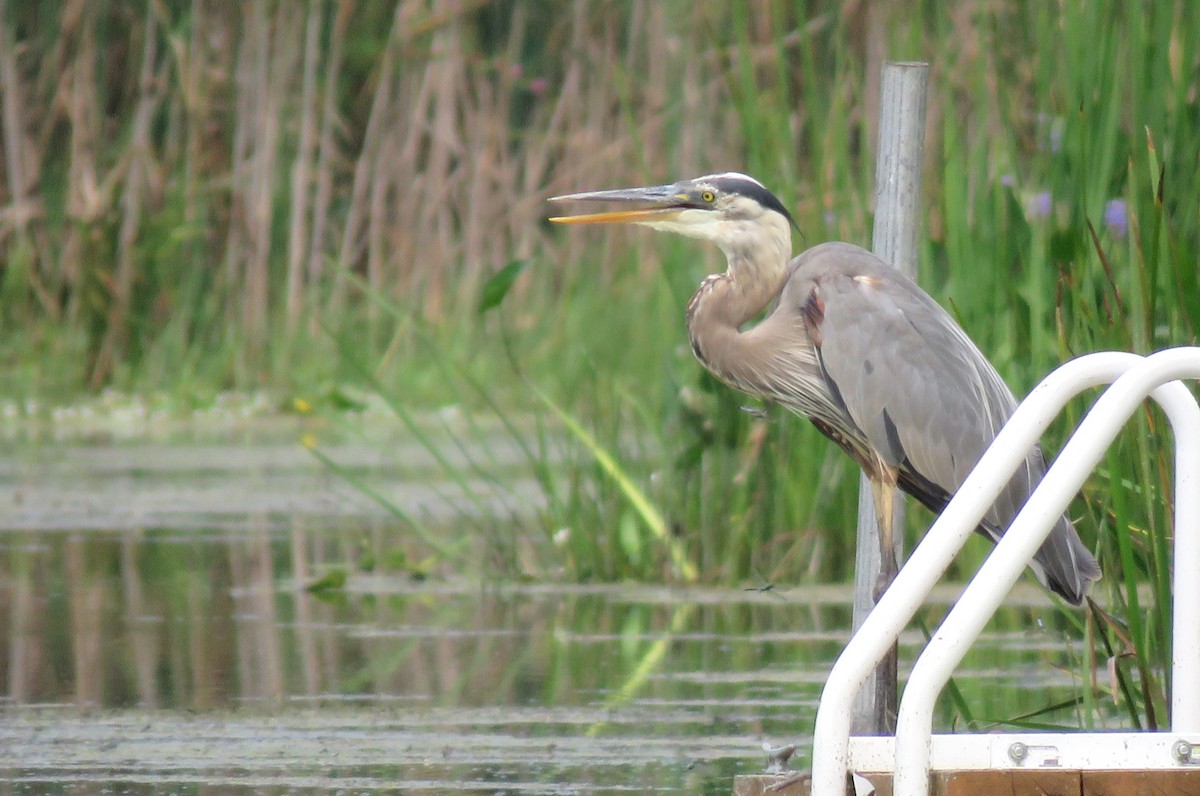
<point>915,751</point>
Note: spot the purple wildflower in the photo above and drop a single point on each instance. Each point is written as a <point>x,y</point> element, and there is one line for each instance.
<point>1039,205</point>
<point>538,86</point>
<point>1116,218</point>
<point>1008,180</point>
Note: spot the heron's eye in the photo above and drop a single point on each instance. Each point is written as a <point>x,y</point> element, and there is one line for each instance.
<point>707,196</point>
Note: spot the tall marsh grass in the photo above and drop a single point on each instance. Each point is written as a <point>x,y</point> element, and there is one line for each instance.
<point>198,193</point>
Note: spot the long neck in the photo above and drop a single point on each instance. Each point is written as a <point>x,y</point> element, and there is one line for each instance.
<point>724,302</point>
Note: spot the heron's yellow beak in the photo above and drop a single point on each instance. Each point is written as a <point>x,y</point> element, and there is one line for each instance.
<point>620,216</point>
<point>665,204</point>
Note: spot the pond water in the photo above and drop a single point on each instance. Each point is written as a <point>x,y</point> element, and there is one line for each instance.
<point>157,636</point>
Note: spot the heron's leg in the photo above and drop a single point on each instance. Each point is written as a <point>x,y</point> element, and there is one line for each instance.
<point>884,492</point>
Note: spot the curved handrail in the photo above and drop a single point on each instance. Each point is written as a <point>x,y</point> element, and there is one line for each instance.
<point>1156,376</point>
<point>938,548</point>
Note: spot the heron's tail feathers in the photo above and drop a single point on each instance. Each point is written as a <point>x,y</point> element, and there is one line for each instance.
<point>1064,565</point>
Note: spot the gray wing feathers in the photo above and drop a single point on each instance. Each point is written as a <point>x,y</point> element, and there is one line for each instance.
<point>920,391</point>
<point>911,380</point>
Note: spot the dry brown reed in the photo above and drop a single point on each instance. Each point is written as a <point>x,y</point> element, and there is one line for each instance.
<point>226,165</point>
<point>413,144</point>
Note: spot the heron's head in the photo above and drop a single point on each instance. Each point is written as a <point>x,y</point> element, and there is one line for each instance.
<point>732,210</point>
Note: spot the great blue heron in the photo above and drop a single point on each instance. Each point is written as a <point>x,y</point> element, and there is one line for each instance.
<point>853,345</point>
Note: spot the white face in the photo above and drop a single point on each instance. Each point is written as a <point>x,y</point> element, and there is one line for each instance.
<point>735,223</point>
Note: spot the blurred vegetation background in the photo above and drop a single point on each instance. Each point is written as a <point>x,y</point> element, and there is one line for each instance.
<point>315,197</point>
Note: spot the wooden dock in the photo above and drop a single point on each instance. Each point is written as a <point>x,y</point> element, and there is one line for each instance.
<point>1035,782</point>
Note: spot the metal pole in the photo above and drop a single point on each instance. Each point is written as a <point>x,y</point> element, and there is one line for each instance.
<point>897,224</point>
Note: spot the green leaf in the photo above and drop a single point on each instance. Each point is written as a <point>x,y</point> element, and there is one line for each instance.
<point>334,580</point>
<point>346,399</point>
<point>630,536</point>
<point>496,288</point>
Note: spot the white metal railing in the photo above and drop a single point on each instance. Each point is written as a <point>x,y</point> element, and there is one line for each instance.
<point>1133,378</point>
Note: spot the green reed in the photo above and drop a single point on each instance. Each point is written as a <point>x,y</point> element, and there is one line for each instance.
<point>1061,190</point>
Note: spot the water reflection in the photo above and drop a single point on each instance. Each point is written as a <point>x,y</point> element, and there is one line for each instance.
<point>222,667</point>
<point>572,688</point>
